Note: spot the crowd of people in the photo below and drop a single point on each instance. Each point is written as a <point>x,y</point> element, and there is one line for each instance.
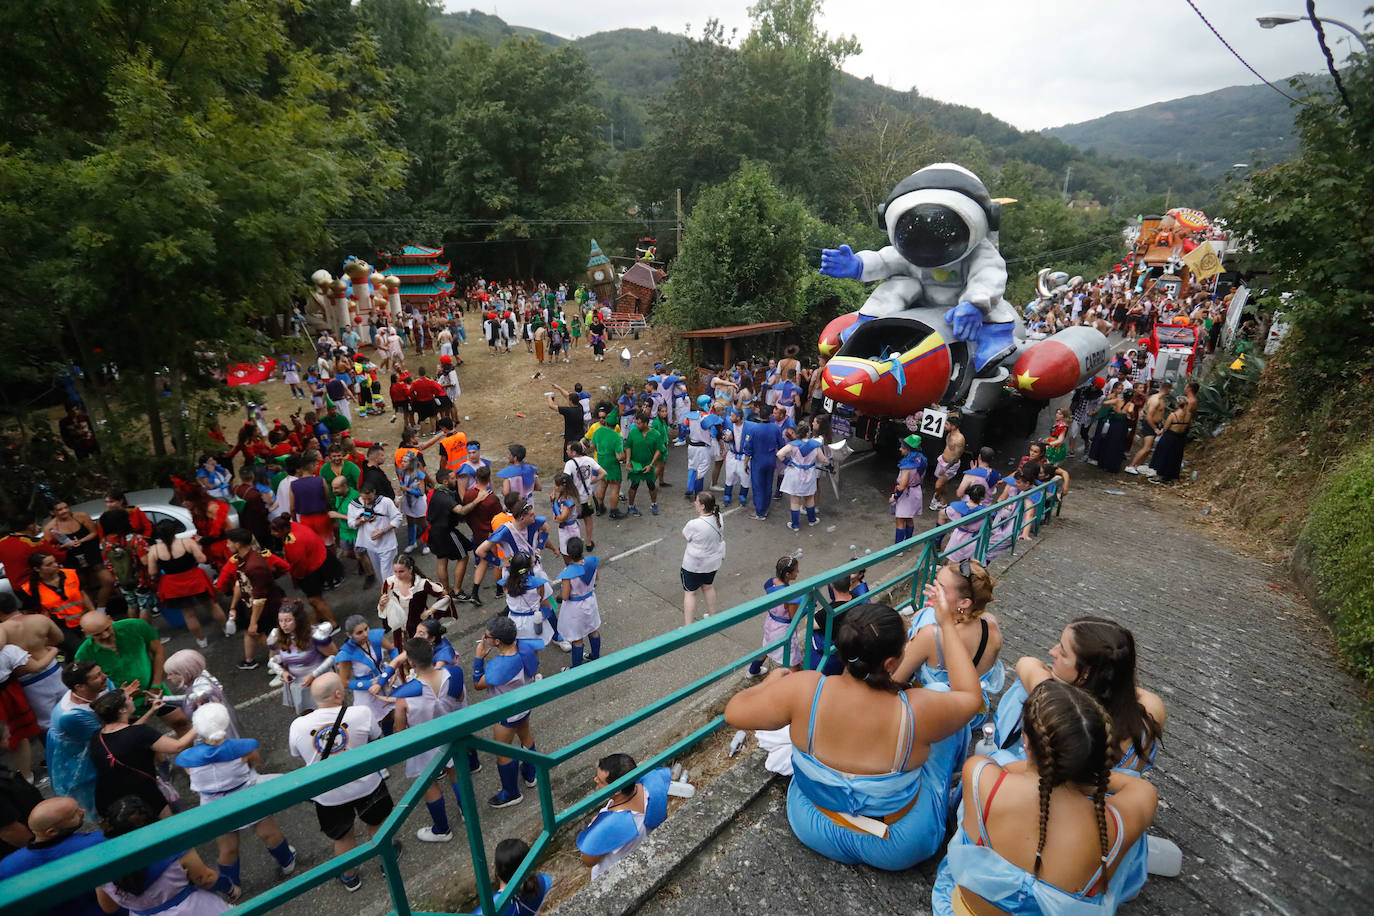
<point>86,675</point>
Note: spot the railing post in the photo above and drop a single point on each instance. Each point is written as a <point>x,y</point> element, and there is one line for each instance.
<point>802,612</point>
<point>472,824</point>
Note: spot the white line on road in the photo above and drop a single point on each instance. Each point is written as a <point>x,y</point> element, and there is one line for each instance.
<point>259,698</point>
<point>645,546</point>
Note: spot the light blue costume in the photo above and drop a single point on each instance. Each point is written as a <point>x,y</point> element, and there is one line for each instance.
<point>923,794</point>
<point>580,615</point>
<point>615,834</point>
<point>68,750</point>
<point>527,608</point>
<point>504,673</point>
<point>979,868</point>
<point>963,542</point>
<point>522,477</point>
<point>993,680</point>
<point>530,541</point>
<point>1133,870</point>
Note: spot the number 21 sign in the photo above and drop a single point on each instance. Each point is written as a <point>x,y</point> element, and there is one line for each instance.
<point>933,422</point>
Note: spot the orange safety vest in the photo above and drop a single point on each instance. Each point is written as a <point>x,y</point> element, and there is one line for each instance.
<point>400,456</point>
<point>455,450</point>
<point>497,521</point>
<point>64,605</point>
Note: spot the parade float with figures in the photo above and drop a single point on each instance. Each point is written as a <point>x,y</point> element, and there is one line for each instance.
<point>936,335</point>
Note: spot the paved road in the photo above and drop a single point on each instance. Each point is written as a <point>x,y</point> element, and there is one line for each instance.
<point>640,598</point>
<point>1265,778</point>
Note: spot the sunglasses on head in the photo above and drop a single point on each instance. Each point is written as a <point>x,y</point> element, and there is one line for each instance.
<point>966,570</point>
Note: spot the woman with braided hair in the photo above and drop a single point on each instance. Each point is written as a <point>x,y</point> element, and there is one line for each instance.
<point>1099,656</point>
<point>871,761</point>
<point>1069,865</point>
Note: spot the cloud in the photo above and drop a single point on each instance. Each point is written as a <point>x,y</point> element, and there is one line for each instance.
<point>1034,64</point>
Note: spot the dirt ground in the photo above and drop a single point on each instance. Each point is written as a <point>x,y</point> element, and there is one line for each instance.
<point>502,400</point>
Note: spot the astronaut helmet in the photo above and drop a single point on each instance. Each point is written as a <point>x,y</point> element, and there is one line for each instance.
<point>936,216</point>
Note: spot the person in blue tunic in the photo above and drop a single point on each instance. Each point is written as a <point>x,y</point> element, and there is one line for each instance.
<point>579,614</point>
<point>761,444</point>
<point>627,817</point>
<point>1098,656</point>
<point>871,761</point>
<point>1071,865</point>
<point>501,663</point>
<point>908,496</point>
<point>528,900</point>
<point>432,693</point>
<point>366,664</point>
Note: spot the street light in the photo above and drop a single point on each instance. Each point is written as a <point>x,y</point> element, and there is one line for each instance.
<point>1273,20</point>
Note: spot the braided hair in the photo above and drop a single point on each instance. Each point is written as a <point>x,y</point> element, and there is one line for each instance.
<point>520,566</point>
<point>1069,739</point>
<point>1105,651</point>
<point>866,637</point>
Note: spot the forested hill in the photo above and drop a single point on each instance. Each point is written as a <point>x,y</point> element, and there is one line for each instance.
<point>636,67</point>
<point>1213,130</point>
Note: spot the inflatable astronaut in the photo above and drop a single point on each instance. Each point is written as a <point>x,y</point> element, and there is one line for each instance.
<point>943,227</point>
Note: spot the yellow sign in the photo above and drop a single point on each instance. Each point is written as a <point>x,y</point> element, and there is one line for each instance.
<point>1203,261</point>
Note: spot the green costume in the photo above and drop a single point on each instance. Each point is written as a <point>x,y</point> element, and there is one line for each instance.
<point>608,445</point>
<point>129,660</point>
<point>641,447</point>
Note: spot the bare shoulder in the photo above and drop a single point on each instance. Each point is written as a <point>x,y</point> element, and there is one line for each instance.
<point>1153,705</point>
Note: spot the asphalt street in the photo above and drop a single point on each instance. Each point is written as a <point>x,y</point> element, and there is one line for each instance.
<point>640,597</point>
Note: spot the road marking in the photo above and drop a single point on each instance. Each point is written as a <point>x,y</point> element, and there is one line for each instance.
<point>259,698</point>
<point>645,546</point>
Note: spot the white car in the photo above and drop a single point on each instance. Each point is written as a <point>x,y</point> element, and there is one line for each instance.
<point>157,506</point>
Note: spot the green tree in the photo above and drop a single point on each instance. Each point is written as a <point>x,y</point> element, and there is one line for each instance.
<point>1311,222</point>
<point>743,255</point>
<point>526,144</point>
<point>183,200</point>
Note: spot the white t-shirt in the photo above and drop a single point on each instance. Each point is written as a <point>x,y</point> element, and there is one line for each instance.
<point>310,732</point>
<point>705,545</point>
<point>589,470</point>
<point>283,503</point>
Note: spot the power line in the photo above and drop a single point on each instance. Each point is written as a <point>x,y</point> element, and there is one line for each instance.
<point>1072,249</point>
<point>392,221</point>
<point>1330,61</point>
<point>1237,54</point>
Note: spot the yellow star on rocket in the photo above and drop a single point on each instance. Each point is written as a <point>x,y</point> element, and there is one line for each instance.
<point>1025,381</point>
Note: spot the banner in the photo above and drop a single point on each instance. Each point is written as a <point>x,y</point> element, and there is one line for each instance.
<point>1203,262</point>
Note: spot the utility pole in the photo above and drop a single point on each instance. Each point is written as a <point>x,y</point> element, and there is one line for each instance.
<point>1067,172</point>
<point>679,221</point>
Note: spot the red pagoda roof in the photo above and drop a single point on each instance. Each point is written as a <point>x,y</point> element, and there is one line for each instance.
<point>413,252</point>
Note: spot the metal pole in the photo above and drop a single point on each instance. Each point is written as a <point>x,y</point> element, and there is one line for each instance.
<point>679,220</point>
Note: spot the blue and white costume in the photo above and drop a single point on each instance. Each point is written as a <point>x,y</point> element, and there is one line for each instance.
<point>529,541</point>
<point>987,477</point>
<point>370,666</point>
<point>530,611</point>
<point>504,673</point>
<point>978,867</point>
<point>992,680</point>
<point>424,704</point>
<point>699,437</point>
<point>799,479</point>
<point>775,624</point>
<point>525,906</point>
<point>890,821</point>
<point>572,528</point>
<point>580,615</point>
<point>911,501</point>
<point>963,543</point>
<point>217,770</point>
<point>732,442</point>
<point>522,477</point>
<point>616,834</point>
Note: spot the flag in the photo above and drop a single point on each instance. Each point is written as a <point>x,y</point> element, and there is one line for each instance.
<point>1203,261</point>
<point>251,373</point>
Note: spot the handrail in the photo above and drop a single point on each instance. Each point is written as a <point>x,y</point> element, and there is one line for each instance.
<point>459,731</point>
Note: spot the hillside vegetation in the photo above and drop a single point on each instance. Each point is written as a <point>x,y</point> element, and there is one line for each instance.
<point>1214,130</point>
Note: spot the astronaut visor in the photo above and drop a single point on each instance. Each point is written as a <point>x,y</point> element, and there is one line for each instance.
<point>931,235</point>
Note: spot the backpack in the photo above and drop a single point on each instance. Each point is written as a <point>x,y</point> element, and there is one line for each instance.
<point>121,561</point>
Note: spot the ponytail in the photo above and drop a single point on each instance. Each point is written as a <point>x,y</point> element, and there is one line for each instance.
<point>866,637</point>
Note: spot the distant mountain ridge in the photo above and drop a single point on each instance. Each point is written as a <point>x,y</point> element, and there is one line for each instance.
<point>1213,130</point>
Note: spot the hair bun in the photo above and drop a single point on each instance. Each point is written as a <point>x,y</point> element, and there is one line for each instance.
<point>212,723</point>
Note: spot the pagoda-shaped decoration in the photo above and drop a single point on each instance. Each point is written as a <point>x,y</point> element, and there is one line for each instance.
<point>639,288</point>
<point>424,281</point>
<point>601,275</point>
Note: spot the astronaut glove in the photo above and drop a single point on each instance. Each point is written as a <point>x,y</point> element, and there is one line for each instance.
<point>966,319</point>
<point>841,262</point>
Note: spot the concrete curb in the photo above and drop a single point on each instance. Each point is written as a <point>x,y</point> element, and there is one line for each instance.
<point>640,875</point>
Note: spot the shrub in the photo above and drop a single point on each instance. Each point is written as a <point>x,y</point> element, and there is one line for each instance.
<point>1339,536</point>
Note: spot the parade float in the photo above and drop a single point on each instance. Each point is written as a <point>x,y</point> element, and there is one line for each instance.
<point>414,277</point>
<point>936,334</point>
<point>1171,252</point>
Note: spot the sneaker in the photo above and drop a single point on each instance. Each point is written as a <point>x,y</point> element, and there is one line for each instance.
<point>792,527</point>
<point>653,507</point>
<point>425,550</point>
<point>427,835</point>
<point>502,800</point>
<point>230,627</point>
<point>635,512</point>
<point>475,768</point>
<point>759,518</point>
<point>1132,469</point>
<point>813,524</point>
<point>351,881</point>
<point>164,639</point>
<point>411,548</point>
<point>936,505</point>
<point>202,643</point>
<point>591,545</point>
<point>157,611</point>
<point>275,682</point>
<point>289,867</point>
<point>463,596</point>
<point>248,664</point>
<point>1149,472</point>
<point>616,515</point>
<point>530,783</point>
<point>565,645</point>
<point>718,488</point>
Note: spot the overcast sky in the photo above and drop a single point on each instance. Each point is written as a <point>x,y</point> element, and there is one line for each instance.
<point>1034,63</point>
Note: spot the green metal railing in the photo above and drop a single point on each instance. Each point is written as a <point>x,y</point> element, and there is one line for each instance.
<point>999,529</point>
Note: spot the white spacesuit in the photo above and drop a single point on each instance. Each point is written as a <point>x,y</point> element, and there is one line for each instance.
<point>943,227</point>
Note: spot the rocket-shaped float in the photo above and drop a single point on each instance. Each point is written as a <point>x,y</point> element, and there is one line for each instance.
<point>1060,363</point>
